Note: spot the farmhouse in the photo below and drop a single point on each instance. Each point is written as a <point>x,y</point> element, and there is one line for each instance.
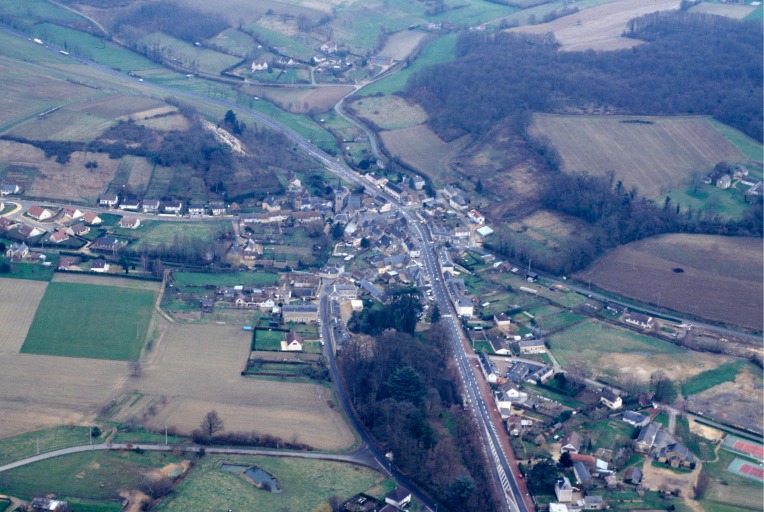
<point>129,222</point>
<point>532,347</point>
<point>676,455</point>
<point>724,182</point>
<point>39,213</point>
<point>640,320</point>
<point>610,399</point>
<point>303,313</point>
<point>398,498</point>
<point>292,343</point>
<point>109,201</point>
<point>646,437</point>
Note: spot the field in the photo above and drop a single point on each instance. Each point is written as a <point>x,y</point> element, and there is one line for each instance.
<point>191,57</point>
<point>18,302</point>
<point>599,28</point>
<point>749,147</point>
<point>618,352</point>
<point>301,100</point>
<point>655,157</point>
<point>400,45</point>
<point>390,112</point>
<point>268,339</point>
<point>70,322</point>
<point>165,232</point>
<point>63,124</point>
<point>721,277</point>
<point>195,368</point>
<point>307,484</point>
<point>736,402</point>
<point>233,41</point>
<point>727,491</point>
<point>419,147</point>
<point>737,12</point>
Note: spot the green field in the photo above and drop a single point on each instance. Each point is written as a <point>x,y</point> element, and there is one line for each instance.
<point>30,11</point>
<point>306,484</point>
<point>268,340</point>
<point>706,380</point>
<point>286,45</point>
<point>50,439</point>
<point>153,233</point>
<point>743,142</point>
<point>233,41</point>
<point>190,57</point>
<point>32,271</point>
<point>90,321</point>
<point>728,203</point>
<point>98,476</point>
<point>609,434</point>
<point>194,279</point>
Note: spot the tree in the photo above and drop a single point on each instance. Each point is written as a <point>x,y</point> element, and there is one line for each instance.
<point>406,385</point>
<point>479,186</point>
<point>460,490</point>
<point>365,243</point>
<point>542,476</point>
<point>663,389</point>
<point>435,318</point>
<point>338,231</point>
<point>211,424</point>
<point>136,370</point>
<point>566,460</point>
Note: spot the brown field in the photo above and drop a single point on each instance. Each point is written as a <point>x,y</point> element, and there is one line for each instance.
<point>721,279</point>
<point>735,11</point>
<point>401,44</point>
<point>390,112</point>
<point>419,147</point>
<point>63,124</point>
<point>140,173</point>
<point>549,228</point>
<point>86,278</point>
<point>19,299</point>
<point>737,402</point>
<point>653,157</point>
<point>642,366</point>
<point>301,99</point>
<point>599,28</point>
<point>197,368</point>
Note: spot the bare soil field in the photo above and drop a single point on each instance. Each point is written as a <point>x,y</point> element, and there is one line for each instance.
<point>39,391</point>
<point>720,277</point>
<point>302,99</point>
<point>19,299</point>
<point>599,28</point>
<point>654,157</point>
<point>735,11</point>
<point>390,112</point>
<point>737,402</point>
<point>400,45</point>
<point>419,147</point>
<point>197,368</point>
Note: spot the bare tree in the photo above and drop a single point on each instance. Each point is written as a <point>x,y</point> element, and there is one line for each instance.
<point>136,370</point>
<point>211,424</point>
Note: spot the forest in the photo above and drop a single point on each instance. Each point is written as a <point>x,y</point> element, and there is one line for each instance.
<point>690,64</point>
<point>402,386</point>
<point>177,20</point>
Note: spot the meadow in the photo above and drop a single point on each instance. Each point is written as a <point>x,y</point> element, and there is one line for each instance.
<point>389,112</point>
<point>654,154</point>
<point>197,59</point>
<point>159,232</point>
<point>90,321</point>
<point>306,484</point>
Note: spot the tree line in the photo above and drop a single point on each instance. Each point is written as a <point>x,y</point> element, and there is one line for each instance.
<point>402,387</point>
<point>690,64</point>
<point>178,20</point>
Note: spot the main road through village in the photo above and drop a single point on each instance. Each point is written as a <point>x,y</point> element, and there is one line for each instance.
<point>504,474</point>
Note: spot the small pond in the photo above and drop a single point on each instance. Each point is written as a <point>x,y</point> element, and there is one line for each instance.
<point>255,475</point>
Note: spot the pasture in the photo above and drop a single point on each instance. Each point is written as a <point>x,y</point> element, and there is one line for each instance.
<point>197,367</point>
<point>720,278</point>
<point>197,59</point>
<point>18,302</point>
<point>90,321</point>
<point>655,155</point>
<point>419,147</point>
<point>166,231</point>
<point>234,42</point>
<point>548,229</point>
<point>390,112</point>
<point>617,352</point>
<point>301,100</point>
<point>306,484</point>
<point>400,45</point>
<point>601,27</point>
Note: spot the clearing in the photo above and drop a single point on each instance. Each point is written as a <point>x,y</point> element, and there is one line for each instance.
<point>19,299</point>
<point>71,321</point>
<point>196,368</point>
<point>601,27</point>
<point>654,154</point>
<point>714,277</point>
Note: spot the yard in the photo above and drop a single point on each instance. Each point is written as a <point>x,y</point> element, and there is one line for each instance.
<point>306,484</point>
<point>71,322</point>
<point>267,339</point>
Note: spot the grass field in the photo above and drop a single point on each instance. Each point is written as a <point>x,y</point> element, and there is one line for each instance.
<point>390,112</point>
<point>268,340</point>
<point>71,321</point>
<point>420,147</point>
<point>737,12</point>
<point>35,10</point>
<point>306,484</point>
<point>728,204</point>
<point>721,279</point>
<point>303,99</point>
<point>727,491</point>
<point>195,279</point>
<point>616,352</point>
<point>233,41</point>
<point>749,147</point>
<point>656,157</point>
<point>165,232</point>
<point>25,445</point>
<point>194,58</point>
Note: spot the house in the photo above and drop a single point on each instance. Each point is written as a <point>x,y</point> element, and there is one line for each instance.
<point>251,250</point>
<point>26,231</point>
<point>303,313</point>
<point>489,368</point>
<point>7,189</point>
<point>583,476</point>
<point>46,505</point>
<point>646,438</point>
<point>91,218</point>
<point>196,209</point>
<point>150,206</point>
<point>72,212</point>
<point>633,475</point>
<point>129,222</point>
<point>100,266</point>
<point>130,204</point>
<point>66,262</point>
<point>591,503</point>
<point>371,289</point>
<point>610,399</point>
<point>418,182</point>
<point>78,229</point>
<point>6,223</point>
<point>307,217</point>
<point>39,213</point>
<point>675,455</point>
<point>17,252</point>
<point>540,374</point>
<point>171,207</point>
<point>640,320</point>
<point>563,490</point>
<point>502,321</point>
<point>571,443</point>
<point>476,217</point>
<point>107,244</point>
<point>532,347</point>
<point>109,201</point>
<point>464,307</point>
<point>58,237</point>
<point>292,343</point>
<point>398,498</point>
<point>635,419</point>
<point>724,182</point>
<point>217,208</point>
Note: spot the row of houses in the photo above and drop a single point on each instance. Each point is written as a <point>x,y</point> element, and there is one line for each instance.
<point>156,206</point>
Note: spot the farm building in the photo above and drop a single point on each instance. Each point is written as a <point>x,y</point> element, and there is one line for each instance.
<point>476,217</point>
<point>17,252</point>
<point>532,347</point>
<point>724,182</point>
<point>303,313</point>
<point>398,498</point>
